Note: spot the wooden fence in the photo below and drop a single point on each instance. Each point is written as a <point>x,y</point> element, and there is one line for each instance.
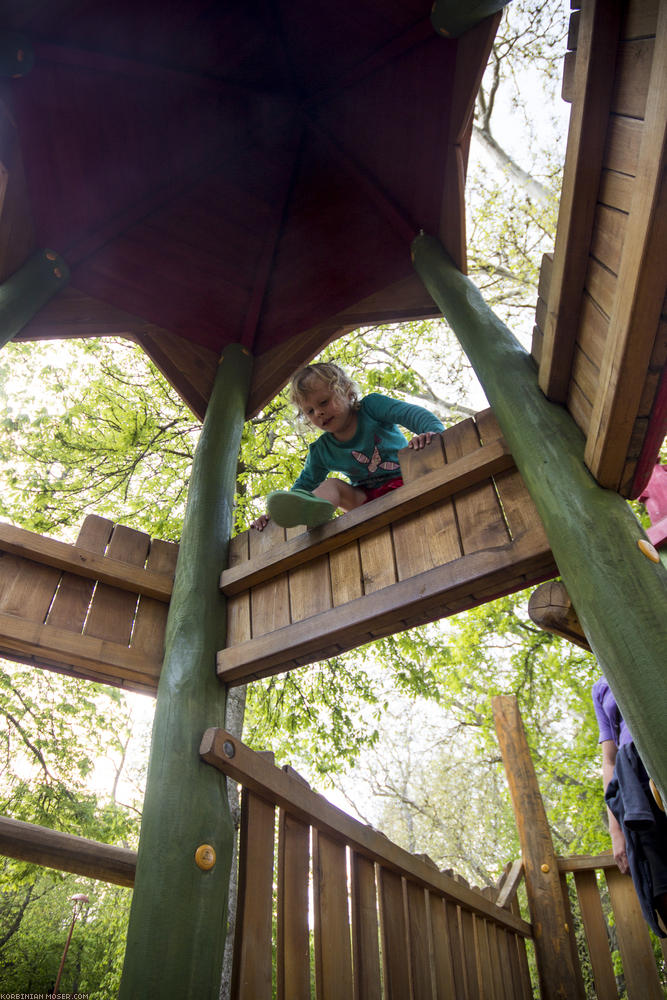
<point>386,925</point>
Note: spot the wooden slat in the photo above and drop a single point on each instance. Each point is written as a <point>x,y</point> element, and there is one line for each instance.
<point>442,954</point>
<point>112,611</point>
<point>470,958</point>
<point>66,853</point>
<point>378,569</point>
<point>586,862</point>
<point>252,969</point>
<point>309,586</point>
<point>640,291</point>
<point>26,588</point>
<point>641,978</point>
<point>238,607</point>
<point>624,138</point>
<point>345,572</point>
<point>456,944</point>
<point>632,77</point>
<point>487,969</point>
<point>608,237</point>
<point>269,602</point>
<point>569,921</point>
<point>525,991</point>
<point>595,929</point>
<point>111,569</point>
<point>432,539</point>
<point>268,557</point>
<point>426,596</point>
<point>419,945</point>
<point>293,942</point>
<point>71,603</point>
<point>395,962</point>
<point>593,85</point>
<point>151,617</point>
<point>478,511</point>
<point>333,959</point>
<point>365,930</point>
<point>294,796</point>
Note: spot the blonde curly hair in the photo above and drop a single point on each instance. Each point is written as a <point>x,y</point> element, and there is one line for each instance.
<point>305,380</point>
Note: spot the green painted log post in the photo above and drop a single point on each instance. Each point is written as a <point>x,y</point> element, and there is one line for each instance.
<point>177,922</point>
<point>24,293</point>
<point>451,18</point>
<point>620,595</point>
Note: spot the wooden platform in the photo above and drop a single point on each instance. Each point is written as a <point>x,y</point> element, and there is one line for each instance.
<point>461,531</point>
<point>96,609</point>
<point>601,325</point>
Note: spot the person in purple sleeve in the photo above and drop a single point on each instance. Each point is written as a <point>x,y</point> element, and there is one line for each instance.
<point>637,823</point>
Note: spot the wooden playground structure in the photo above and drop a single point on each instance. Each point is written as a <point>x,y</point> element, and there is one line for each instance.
<point>193,178</point>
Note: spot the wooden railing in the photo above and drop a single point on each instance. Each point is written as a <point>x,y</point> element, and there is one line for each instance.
<point>614,929</point>
<point>383,924</point>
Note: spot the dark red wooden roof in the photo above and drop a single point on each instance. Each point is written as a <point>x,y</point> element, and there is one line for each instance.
<point>236,172</point>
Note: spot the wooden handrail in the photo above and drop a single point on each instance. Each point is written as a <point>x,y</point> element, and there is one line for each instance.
<point>82,562</point>
<point>490,460</point>
<point>586,862</point>
<point>234,759</point>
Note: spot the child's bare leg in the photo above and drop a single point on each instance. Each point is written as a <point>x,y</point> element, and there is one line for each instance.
<point>340,494</point>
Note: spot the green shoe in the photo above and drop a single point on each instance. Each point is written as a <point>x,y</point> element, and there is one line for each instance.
<point>291,507</point>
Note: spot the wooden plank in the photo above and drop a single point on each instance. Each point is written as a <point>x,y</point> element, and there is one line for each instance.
<point>365,930</point>
<point>345,572</point>
<point>624,138</point>
<point>443,973</point>
<point>112,611</point>
<point>432,539</point>
<point>478,511</point>
<point>608,237</point>
<point>309,586</point>
<point>601,287</point>
<point>84,655</point>
<point>632,77</point>
<point>66,852</point>
<point>427,596</point>
<point>110,569</point>
<point>238,607</point>
<point>294,796</point>
<point>525,991</point>
<point>470,957</point>
<point>456,944</point>
<point>418,942</point>
<point>378,569</point>
<point>395,961</point>
<point>151,617</point>
<point>640,18</point>
<point>502,986</point>
<point>595,928</point>
<point>640,292</point>
<point>252,967</point>
<point>293,941</point>
<point>268,557</point>
<point>616,190</point>
<point>269,602</point>
<point>552,945</point>
<point>71,603</point>
<point>569,923</point>
<point>634,943</point>
<point>487,970</point>
<point>333,958</point>
<point>593,85</point>
<point>26,588</point>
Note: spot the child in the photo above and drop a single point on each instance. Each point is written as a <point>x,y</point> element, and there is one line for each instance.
<point>360,439</point>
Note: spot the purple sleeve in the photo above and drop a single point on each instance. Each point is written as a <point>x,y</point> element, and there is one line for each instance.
<point>605,724</point>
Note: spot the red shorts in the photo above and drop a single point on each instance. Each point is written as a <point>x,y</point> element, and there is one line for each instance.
<point>372,493</point>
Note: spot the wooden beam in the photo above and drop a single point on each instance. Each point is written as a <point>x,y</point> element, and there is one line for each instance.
<point>451,19</point>
<point>557,974</point>
<point>230,756</point>
<point>550,607</point>
<point>640,289</point>
<point>459,475</point>
<point>424,597</point>
<point>586,862</point>
<point>85,655</point>
<point>66,853</point>
<point>83,562</point>
<point>619,594</point>
<point>594,80</point>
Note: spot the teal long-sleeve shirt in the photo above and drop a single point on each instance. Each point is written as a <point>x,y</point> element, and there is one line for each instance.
<point>369,458</point>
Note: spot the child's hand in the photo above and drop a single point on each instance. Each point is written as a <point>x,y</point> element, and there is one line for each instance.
<point>420,440</point>
<point>261,522</point>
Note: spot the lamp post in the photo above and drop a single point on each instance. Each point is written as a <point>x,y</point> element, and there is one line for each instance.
<point>78,899</point>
